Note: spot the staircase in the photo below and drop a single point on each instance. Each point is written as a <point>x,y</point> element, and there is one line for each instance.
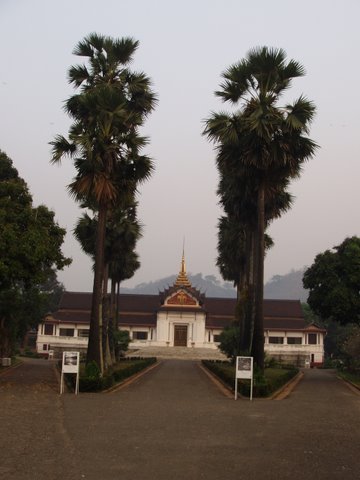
<point>184,353</point>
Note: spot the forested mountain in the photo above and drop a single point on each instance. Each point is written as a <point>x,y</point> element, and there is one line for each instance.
<point>287,287</point>
<point>207,284</point>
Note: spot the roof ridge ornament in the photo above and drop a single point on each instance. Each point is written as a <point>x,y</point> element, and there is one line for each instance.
<point>182,278</point>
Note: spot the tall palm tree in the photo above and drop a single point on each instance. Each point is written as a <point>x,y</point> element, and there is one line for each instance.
<point>104,142</point>
<point>271,140</point>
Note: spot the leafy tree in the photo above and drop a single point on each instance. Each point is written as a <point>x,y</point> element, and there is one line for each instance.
<point>105,144</point>
<point>351,348</point>
<point>333,281</point>
<point>263,144</point>
<point>336,336</point>
<point>30,252</point>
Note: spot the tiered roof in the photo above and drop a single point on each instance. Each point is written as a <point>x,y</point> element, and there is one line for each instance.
<point>181,293</point>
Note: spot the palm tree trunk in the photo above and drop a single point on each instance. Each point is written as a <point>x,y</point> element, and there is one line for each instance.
<point>94,352</point>
<point>117,313</point>
<point>249,306</point>
<point>258,337</point>
<point>106,320</point>
<point>112,320</point>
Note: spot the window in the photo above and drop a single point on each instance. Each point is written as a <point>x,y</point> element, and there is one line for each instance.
<point>278,340</point>
<point>294,340</point>
<point>217,338</point>
<point>83,332</point>
<point>312,339</point>
<point>45,347</point>
<point>140,335</point>
<point>66,332</point>
<point>48,329</point>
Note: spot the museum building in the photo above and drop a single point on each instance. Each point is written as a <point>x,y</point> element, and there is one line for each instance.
<point>182,316</point>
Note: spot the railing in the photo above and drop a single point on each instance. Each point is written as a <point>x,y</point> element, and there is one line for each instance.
<point>284,347</point>
<point>60,340</point>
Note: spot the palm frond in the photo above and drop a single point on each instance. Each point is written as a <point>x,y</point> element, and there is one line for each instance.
<point>60,148</point>
<point>78,74</point>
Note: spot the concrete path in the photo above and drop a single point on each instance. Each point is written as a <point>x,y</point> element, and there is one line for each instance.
<point>174,423</point>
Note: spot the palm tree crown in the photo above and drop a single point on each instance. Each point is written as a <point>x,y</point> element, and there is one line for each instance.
<point>104,141</point>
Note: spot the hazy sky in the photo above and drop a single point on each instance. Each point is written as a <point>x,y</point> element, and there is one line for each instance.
<point>184,48</point>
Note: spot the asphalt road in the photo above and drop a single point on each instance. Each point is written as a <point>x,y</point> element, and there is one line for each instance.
<point>173,423</point>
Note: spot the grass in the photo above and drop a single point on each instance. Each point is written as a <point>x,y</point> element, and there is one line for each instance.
<point>353,378</point>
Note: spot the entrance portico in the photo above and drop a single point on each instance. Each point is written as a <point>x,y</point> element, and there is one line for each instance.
<point>181,317</point>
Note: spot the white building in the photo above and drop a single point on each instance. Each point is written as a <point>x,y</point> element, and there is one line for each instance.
<point>182,316</point>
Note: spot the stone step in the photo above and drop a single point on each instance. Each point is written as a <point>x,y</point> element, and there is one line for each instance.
<point>177,352</point>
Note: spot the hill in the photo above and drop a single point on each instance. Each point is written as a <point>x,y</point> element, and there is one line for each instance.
<point>207,284</point>
<point>286,287</point>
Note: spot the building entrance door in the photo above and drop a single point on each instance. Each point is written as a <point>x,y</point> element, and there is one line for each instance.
<point>180,335</point>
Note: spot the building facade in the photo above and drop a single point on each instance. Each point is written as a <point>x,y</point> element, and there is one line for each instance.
<point>183,316</point>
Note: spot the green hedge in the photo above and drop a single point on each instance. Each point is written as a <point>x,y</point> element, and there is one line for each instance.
<point>263,385</point>
<point>91,381</point>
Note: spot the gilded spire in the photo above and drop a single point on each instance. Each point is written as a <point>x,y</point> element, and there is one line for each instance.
<point>182,279</point>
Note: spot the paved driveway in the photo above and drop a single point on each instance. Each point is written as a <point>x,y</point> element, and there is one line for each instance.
<point>173,423</point>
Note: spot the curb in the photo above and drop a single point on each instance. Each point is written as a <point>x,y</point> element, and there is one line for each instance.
<point>286,389</point>
<point>222,386</point>
<point>12,367</point>
<point>229,392</point>
<point>352,386</point>
<point>130,380</point>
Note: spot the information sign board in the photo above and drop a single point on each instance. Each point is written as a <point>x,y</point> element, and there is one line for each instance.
<point>70,364</point>
<point>244,370</point>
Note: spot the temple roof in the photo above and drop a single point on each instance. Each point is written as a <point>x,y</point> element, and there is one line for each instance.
<point>141,310</point>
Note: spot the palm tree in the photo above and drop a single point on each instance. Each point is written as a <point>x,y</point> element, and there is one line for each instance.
<point>104,142</point>
<point>270,140</point>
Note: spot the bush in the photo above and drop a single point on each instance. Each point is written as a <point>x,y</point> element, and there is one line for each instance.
<point>30,353</point>
<point>91,380</point>
<point>270,362</point>
<point>121,341</point>
<point>230,341</point>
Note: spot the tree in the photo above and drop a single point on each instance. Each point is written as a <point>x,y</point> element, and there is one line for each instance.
<point>264,142</point>
<point>30,253</point>
<point>333,281</point>
<point>351,348</point>
<point>105,143</point>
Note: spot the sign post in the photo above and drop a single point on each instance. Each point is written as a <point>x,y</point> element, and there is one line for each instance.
<point>244,369</point>
<point>70,364</point>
